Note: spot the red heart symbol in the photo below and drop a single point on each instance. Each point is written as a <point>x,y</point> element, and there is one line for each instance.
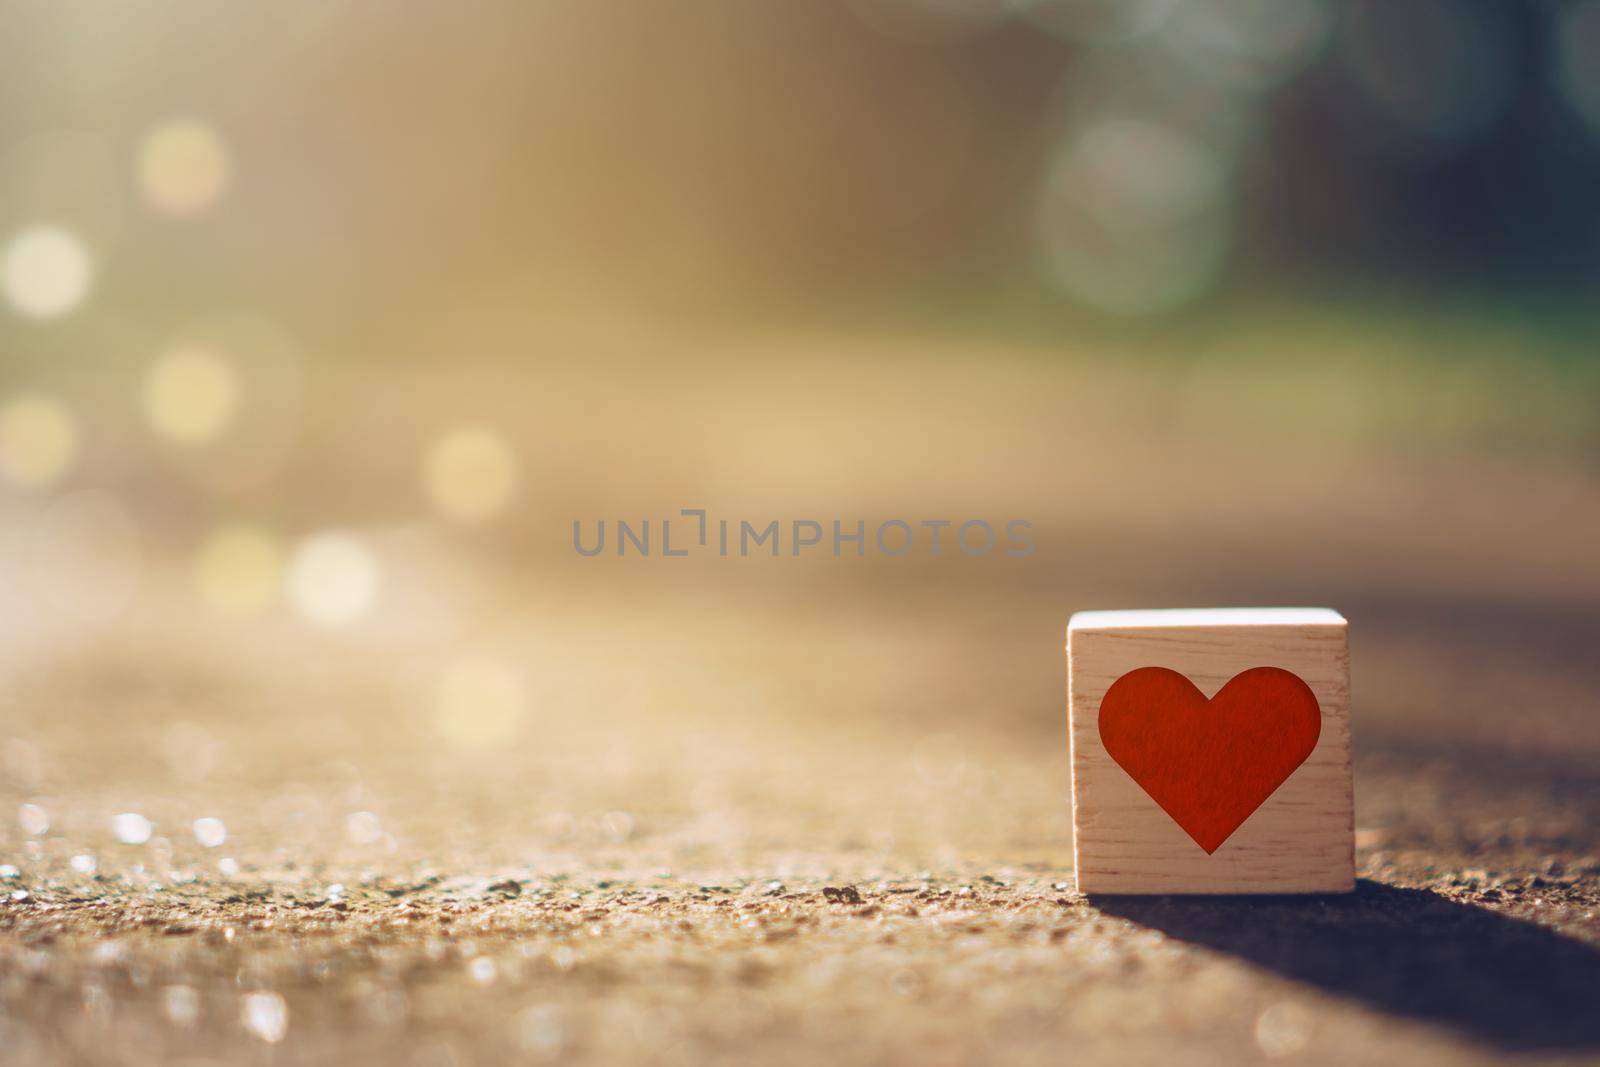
<point>1209,764</point>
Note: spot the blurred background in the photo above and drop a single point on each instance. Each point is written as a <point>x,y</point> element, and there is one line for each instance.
<point>320,325</point>
<point>323,325</point>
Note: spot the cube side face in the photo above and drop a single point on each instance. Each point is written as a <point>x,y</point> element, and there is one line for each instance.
<point>1300,840</point>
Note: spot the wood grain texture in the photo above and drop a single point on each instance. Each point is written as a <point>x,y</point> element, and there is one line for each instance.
<point>1300,840</point>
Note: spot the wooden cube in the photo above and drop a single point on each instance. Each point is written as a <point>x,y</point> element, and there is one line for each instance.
<point>1236,783</point>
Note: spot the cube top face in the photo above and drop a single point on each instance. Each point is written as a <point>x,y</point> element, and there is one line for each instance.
<point>1299,840</point>
<point>1191,617</point>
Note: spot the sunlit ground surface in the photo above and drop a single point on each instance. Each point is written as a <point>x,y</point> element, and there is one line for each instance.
<point>361,762</point>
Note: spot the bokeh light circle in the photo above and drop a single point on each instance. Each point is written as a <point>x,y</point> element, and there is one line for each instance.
<point>46,271</point>
<point>210,832</point>
<point>363,827</point>
<point>265,1015</point>
<point>190,395</point>
<point>183,167</point>
<point>38,440</point>
<point>333,579</point>
<point>33,819</point>
<point>232,383</point>
<point>1578,60</point>
<point>470,474</point>
<point>1247,45</point>
<point>1435,68</point>
<point>239,568</point>
<point>478,701</point>
<point>1135,216</point>
<point>131,828</point>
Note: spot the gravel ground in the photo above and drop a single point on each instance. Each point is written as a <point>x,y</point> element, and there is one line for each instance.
<point>612,889</point>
